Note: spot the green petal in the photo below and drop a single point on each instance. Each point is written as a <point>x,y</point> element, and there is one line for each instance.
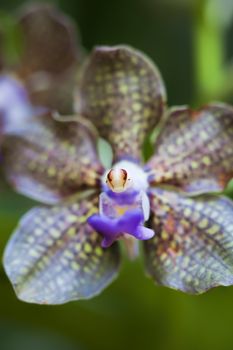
<point>195,149</point>
<point>123,94</point>
<point>192,249</point>
<point>49,160</point>
<point>54,256</point>
<point>51,56</point>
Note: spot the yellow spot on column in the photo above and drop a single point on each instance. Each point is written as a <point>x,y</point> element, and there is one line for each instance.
<point>39,232</point>
<point>187,212</point>
<point>49,242</point>
<point>135,96</point>
<point>82,219</point>
<point>71,231</point>
<point>206,160</point>
<point>194,165</point>
<point>186,262</point>
<point>123,89</point>
<point>68,254</point>
<point>52,171</point>
<point>142,71</point>
<point>55,233</point>
<point>32,165</point>
<point>163,257</point>
<point>137,106</point>
<point>34,253</point>
<point>203,223</point>
<point>204,135</point>
<point>134,60</point>
<point>146,112</point>
<point>98,251</point>
<point>213,229</point>
<point>179,141</point>
<point>164,235</point>
<point>120,74</point>
<point>171,149</point>
<point>75,266</point>
<point>71,218</point>
<point>87,247</point>
<point>77,247</point>
<point>109,88</point>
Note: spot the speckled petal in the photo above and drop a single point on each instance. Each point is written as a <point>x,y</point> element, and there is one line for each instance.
<point>54,256</point>
<point>49,160</point>
<point>123,94</point>
<point>51,55</point>
<point>192,249</point>
<point>195,149</point>
<point>49,40</point>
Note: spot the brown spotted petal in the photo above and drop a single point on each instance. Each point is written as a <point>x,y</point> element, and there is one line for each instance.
<point>51,55</point>
<point>195,149</point>
<point>56,93</point>
<point>54,256</point>
<point>192,249</point>
<point>49,40</point>
<point>123,94</point>
<point>49,160</point>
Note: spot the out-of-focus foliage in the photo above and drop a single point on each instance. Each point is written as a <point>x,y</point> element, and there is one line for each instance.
<point>132,312</point>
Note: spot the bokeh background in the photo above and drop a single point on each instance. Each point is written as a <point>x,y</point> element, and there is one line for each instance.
<point>191,42</point>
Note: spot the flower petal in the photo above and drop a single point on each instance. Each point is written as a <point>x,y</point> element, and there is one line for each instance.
<point>54,256</point>
<point>50,57</point>
<point>131,223</point>
<point>49,40</point>
<point>49,160</point>
<point>195,149</point>
<point>192,249</point>
<point>123,94</point>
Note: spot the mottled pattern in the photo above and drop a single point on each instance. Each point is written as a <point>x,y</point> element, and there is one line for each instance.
<point>54,256</point>
<point>51,56</point>
<point>56,93</point>
<point>195,149</point>
<point>49,40</point>
<point>192,249</point>
<point>49,160</point>
<point>123,94</point>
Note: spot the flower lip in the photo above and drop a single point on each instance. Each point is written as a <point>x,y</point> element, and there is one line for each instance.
<point>112,229</point>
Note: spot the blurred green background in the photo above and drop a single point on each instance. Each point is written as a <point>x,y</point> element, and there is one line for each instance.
<point>191,41</point>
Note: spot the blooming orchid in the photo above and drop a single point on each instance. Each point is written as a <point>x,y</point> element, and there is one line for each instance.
<point>68,249</point>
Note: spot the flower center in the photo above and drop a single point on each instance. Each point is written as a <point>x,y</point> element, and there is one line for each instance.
<point>124,205</point>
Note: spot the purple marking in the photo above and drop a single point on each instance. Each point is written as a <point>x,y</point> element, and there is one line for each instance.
<point>131,222</point>
<point>15,106</point>
<point>128,158</point>
<point>123,198</point>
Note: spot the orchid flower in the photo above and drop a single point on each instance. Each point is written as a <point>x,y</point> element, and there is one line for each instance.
<point>68,248</point>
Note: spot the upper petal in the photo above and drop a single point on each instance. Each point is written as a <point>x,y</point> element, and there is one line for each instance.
<point>49,38</point>
<point>123,94</point>
<point>54,256</point>
<point>195,149</point>
<point>48,160</point>
<point>192,249</point>
<point>51,55</point>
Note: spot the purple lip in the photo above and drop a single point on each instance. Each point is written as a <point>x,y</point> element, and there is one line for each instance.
<point>111,229</point>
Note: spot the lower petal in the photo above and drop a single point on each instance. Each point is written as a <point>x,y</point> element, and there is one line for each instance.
<point>54,256</point>
<point>192,249</point>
